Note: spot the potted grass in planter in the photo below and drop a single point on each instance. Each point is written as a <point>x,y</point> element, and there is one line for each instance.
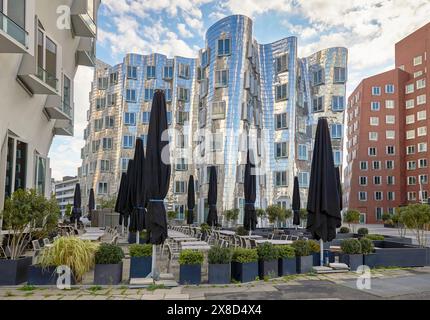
<point>286,260</point>
<point>108,270</point>
<point>267,260</point>
<point>219,265</point>
<point>367,248</point>
<point>304,258</point>
<point>27,215</point>
<point>140,260</point>
<point>351,253</point>
<point>315,250</point>
<point>244,265</point>
<point>190,267</point>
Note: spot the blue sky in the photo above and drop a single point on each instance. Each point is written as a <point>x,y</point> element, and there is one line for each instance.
<point>368,28</point>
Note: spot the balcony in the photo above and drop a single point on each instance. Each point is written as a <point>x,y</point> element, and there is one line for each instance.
<point>63,128</point>
<point>36,79</point>
<point>85,55</point>
<point>82,19</point>
<point>58,109</point>
<point>13,38</point>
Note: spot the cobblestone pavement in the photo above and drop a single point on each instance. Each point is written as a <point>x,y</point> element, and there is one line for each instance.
<point>412,283</point>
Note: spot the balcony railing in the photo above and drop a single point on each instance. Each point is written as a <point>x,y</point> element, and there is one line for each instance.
<point>11,28</point>
<point>67,109</point>
<point>46,77</point>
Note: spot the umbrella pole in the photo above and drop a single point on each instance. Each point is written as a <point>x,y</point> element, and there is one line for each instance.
<point>154,273</point>
<point>321,252</point>
<point>137,237</point>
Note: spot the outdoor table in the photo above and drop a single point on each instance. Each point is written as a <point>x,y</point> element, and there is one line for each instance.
<point>201,247</point>
<point>184,239</point>
<point>274,242</point>
<point>194,243</point>
<point>252,237</point>
<point>227,232</point>
<point>90,237</point>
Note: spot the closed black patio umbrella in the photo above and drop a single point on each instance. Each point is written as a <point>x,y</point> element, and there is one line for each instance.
<point>91,204</point>
<point>212,218</point>
<point>191,201</point>
<point>121,198</point>
<point>339,188</point>
<point>323,203</point>
<point>77,205</point>
<point>128,185</point>
<point>137,192</point>
<point>250,193</point>
<point>296,202</point>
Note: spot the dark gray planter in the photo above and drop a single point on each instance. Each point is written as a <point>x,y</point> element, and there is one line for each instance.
<point>344,235</point>
<point>108,274</point>
<point>38,276</point>
<point>396,254</point>
<point>219,273</point>
<point>244,272</point>
<point>267,269</point>
<point>286,266</point>
<point>316,258</point>
<point>190,273</point>
<point>14,272</point>
<point>304,264</point>
<point>140,267</point>
<point>352,260</point>
<point>370,260</point>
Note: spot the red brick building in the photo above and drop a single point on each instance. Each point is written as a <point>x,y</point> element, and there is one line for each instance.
<point>388,134</point>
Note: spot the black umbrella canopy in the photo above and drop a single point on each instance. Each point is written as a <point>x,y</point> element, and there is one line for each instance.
<point>91,203</point>
<point>339,188</point>
<point>121,197</point>
<point>296,202</point>
<point>191,201</point>
<point>157,169</point>
<point>323,204</point>
<point>137,191</point>
<point>77,204</point>
<point>250,190</point>
<point>128,185</point>
<point>212,219</point>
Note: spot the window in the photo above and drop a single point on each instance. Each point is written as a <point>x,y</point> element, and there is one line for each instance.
<point>410,134</point>
<point>100,103</point>
<point>410,119</point>
<point>224,47</point>
<point>372,151</point>
<point>409,88</point>
<point>131,72</point>
<point>150,72</point>
<point>410,149</point>
<point>421,84</point>
<point>389,164</point>
<point>217,142</point>
<point>98,124</point>
<point>337,157</point>
<point>375,106</point>
<point>40,174</point>
<point>128,142</point>
<point>318,104</point>
<point>389,104</point>
<point>410,103</point>
<point>124,164</point>
<point>218,110</point>
<point>377,180</point>
<point>390,180</point>
<point>181,117</point>
<point>183,94</point>
<point>95,146</point>
<point>412,196</point>
<point>281,179</point>
<point>180,211</point>
<point>422,163</point>
<point>113,78</point>
<point>303,152</point>
<point>180,187</point>
<point>421,131</point>
<point>376,91</point>
<point>130,95</point>
<point>281,92</point>
<point>148,94</point>
<point>204,58</point>
<point>411,165</point>
<point>421,115</point>
<point>363,181</point>
<point>169,117</point>
<point>145,117</point>
<point>363,165</point>
<point>168,72</point>
<point>281,149</point>
<point>129,118</point>
<point>67,95</point>
<point>373,136</point>
<point>111,99</point>
<point>390,134</point>
<point>376,165</point>
<point>221,78</point>
<point>318,77</point>
<point>181,141</point>
<point>144,138</point>
<point>338,103</point>
<point>418,60</point>
<point>421,99</point>
<point>412,180</point>
<point>181,164</point>
<point>389,88</point>
<point>422,147</point>
<point>336,131</point>
<point>168,93</point>
<point>418,74</point>
<point>379,213</point>
<point>390,150</point>
<point>282,63</point>
<point>390,119</point>
<point>374,121</point>
<point>339,75</point>
<point>46,58</point>
<point>104,165</point>
<point>107,143</point>
<point>303,179</point>
<point>102,188</point>
<point>423,178</point>
<point>281,121</point>
<point>378,196</point>
<point>362,196</point>
<point>184,70</point>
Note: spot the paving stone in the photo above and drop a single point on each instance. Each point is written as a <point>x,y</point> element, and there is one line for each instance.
<point>69,298</point>
<point>152,297</point>
<point>176,297</point>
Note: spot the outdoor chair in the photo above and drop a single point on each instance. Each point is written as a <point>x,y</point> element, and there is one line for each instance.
<point>46,242</point>
<point>271,236</point>
<point>36,249</point>
<point>294,238</point>
<point>252,243</point>
<point>114,240</point>
<point>284,237</point>
<point>172,255</point>
<point>57,237</point>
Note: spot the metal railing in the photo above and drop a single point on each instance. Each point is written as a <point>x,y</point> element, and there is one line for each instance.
<point>46,77</point>
<point>13,29</point>
<point>66,108</point>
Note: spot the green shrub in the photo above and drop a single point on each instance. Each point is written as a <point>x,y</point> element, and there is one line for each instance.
<point>350,246</point>
<point>367,246</point>
<point>267,252</point>
<point>301,248</point>
<point>363,231</point>
<point>240,231</point>
<point>109,254</point>
<point>189,257</point>
<point>344,230</point>
<point>142,234</point>
<point>218,255</point>
<point>171,215</point>
<point>386,216</point>
<point>375,237</point>
<point>261,213</point>
<point>204,227</point>
<point>242,255</point>
<point>140,250</point>
<point>314,246</point>
<point>232,214</point>
<point>285,251</point>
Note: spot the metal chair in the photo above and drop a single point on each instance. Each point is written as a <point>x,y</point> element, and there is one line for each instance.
<point>252,243</point>
<point>114,239</point>
<point>46,242</point>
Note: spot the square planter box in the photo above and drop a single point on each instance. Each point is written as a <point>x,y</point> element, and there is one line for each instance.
<point>108,274</point>
<point>352,260</point>
<point>219,273</point>
<point>38,276</point>
<point>14,272</point>
<point>267,269</point>
<point>140,267</point>
<point>370,260</point>
<point>190,274</point>
<point>286,266</point>
<point>132,238</point>
<point>304,264</point>
<point>396,254</point>
<point>244,272</point>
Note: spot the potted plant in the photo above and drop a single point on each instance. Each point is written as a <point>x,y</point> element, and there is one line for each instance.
<point>240,231</point>
<point>286,260</point>
<point>367,248</point>
<point>417,218</point>
<point>190,267</point>
<point>375,237</point>
<point>205,229</point>
<point>363,231</point>
<point>108,270</point>
<point>304,258</point>
<point>244,266</point>
<point>344,230</point>
<point>231,216</point>
<point>276,213</point>
<point>140,260</point>
<point>351,217</point>
<point>219,260</point>
<point>267,260</point>
<point>351,253</point>
<point>25,212</point>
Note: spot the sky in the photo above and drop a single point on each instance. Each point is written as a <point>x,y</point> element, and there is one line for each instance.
<point>368,28</point>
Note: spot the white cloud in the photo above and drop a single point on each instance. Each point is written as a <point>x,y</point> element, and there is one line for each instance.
<point>183,31</point>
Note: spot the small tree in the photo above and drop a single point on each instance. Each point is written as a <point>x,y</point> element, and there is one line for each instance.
<point>107,203</point>
<point>398,220</point>
<point>171,215</point>
<point>417,218</point>
<point>351,217</point>
<point>275,213</point>
<point>261,213</point>
<point>68,210</point>
<point>231,215</point>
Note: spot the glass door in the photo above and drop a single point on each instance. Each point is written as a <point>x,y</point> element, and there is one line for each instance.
<point>9,166</point>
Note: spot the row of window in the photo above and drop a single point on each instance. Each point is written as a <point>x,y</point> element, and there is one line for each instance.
<point>377,180</point>
<point>376,165</point>
<point>339,76</point>
<point>420,132</point>
<point>337,104</point>
<point>377,195</point>
<point>389,89</point>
